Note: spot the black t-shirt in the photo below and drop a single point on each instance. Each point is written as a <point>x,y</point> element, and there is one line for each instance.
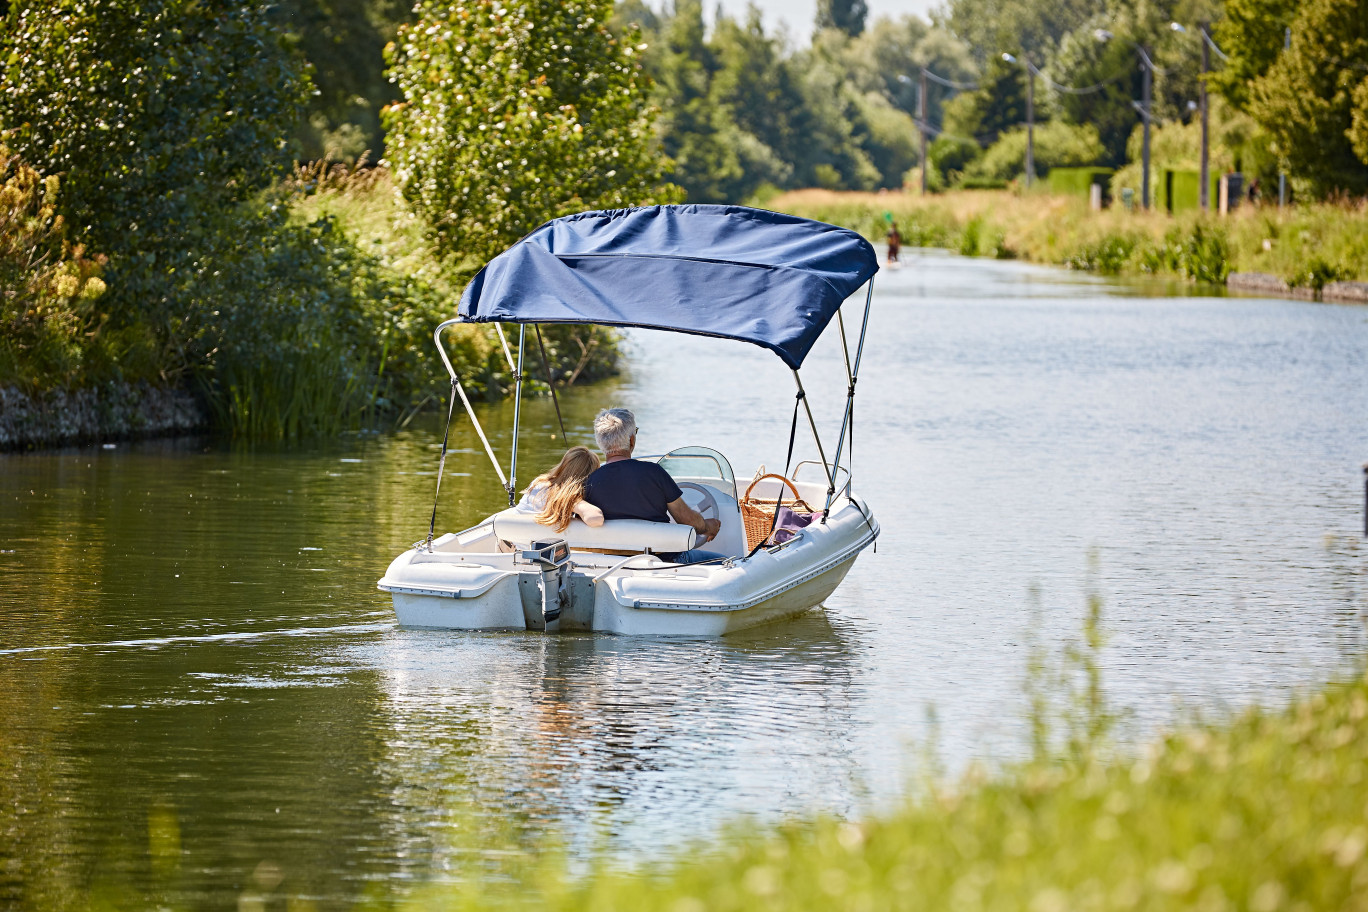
<point>631,489</point>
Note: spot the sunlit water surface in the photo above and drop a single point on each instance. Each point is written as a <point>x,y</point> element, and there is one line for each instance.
<point>202,693</point>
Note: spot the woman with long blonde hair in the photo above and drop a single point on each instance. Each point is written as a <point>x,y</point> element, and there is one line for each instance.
<point>558,496</point>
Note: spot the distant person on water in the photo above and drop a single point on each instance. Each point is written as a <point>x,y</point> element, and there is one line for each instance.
<point>894,242</point>
<point>627,488</point>
<point>558,496</point>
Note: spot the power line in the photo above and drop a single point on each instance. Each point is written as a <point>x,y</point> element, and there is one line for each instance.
<point>1079,90</point>
<point>950,83</point>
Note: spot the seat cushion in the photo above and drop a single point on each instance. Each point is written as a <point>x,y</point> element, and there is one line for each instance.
<point>630,535</point>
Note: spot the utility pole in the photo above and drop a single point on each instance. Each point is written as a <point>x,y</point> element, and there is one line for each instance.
<point>1030,115</point>
<point>1030,122</point>
<point>1145,114</point>
<point>1282,176</point>
<point>1204,192</point>
<point>921,126</point>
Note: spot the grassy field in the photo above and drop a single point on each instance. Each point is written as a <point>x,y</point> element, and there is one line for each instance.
<point>1307,245</point>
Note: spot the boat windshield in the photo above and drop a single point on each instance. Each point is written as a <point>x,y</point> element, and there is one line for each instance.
<point>696,463</point>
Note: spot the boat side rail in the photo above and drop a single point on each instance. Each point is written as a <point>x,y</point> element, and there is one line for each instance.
<point>840,470</point>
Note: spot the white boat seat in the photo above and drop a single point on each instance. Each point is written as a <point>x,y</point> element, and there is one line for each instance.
<point>630,536</point>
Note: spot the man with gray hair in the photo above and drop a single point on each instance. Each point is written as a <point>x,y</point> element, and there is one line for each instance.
<point>627,488</point>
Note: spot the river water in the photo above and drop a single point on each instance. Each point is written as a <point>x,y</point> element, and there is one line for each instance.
<point>203,696</point>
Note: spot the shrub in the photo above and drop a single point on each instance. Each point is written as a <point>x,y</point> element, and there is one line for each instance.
<point>163,116</point>
<point>1202,255</point>
<point>48,287</point>
<point>969,237</point>
<point>1316,274</point>
<point>1056,144</point>
<point>1107,256</point>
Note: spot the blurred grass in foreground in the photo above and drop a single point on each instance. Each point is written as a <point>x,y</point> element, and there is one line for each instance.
<point>1264,812</point>
<point>1307,245</point>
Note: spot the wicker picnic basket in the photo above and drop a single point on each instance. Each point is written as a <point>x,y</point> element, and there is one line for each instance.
<point>758,514</point>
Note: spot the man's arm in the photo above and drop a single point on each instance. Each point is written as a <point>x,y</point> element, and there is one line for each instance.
<point>686,515</point>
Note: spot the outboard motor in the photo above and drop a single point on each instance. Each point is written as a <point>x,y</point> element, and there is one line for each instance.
<point>551,555</point>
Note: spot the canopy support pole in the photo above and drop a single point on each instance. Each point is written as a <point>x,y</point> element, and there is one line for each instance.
<point>517,412</point>
<point>826,466</point>
<point>508,355</point>
<point>470,410</point>
<point>845,349</point>
<point>850,402</point>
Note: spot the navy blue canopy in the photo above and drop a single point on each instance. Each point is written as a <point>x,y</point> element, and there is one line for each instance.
<point>763,277</point>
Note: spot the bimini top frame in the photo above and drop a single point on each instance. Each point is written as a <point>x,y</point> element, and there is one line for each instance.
<point>731,272</point>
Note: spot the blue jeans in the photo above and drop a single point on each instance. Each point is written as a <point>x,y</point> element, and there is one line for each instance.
<point>692,556</point>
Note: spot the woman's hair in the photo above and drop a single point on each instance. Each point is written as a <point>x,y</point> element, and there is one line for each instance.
<point>565,487</point>
<point>613,429</point>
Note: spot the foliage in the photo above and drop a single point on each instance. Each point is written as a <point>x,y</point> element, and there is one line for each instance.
<point>950,155</point>
<point>1358,128</point>
<point>162,116</point>
<point>516,114</point>
<point>886,60</point>
<point>343,42</point>
<point>1201,254</point>
<point>998,104</point>
<point>406,289</point>
<point>48,287</point>
<point>1111,65</point>
<point>1056,144</point>
<point>740,112</point>
<point>1306,99</point>
<point>1108,256</point>
<point>1062,230</point>
<point>846,15</point>
<point>725,125</point>
<point>1251,35</point>
<point>993,26</point>
<point>1262,811</point>
<point>1315,274</point>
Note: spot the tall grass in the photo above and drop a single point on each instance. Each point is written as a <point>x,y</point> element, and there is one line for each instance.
<point>1305,244</point>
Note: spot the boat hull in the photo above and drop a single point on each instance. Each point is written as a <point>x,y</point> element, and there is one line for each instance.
<point>496,592</point>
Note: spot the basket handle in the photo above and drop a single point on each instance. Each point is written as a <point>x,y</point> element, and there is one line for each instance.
<point>796,496</point>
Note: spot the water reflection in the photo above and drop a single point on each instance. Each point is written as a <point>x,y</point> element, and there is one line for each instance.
<point>202,695</point>
<point>626,728</point>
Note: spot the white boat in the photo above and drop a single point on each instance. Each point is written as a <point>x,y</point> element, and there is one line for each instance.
<point>723,271</point>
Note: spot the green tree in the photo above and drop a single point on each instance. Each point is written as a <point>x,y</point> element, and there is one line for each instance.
<point>162,116</point>
<point>755,86</point>
<point>1113,68</point>
<point>990,27</point>
<point>998,104</point>
<point>697,134</point>
<point>517,113</point>
<point>844,15</point>
<point>1306,99</point>
<point>343,42</point>
<point>887,59</point>
<point>1251,35</point>
<point>1358,129</point>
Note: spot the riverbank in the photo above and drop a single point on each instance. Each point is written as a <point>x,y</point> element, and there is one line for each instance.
<point>1315,251</point>
<point>1264,813</point>
<point>111,411</point>
<point>289,368</point>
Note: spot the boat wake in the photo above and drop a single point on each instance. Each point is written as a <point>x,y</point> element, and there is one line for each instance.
<point>155,642</point>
